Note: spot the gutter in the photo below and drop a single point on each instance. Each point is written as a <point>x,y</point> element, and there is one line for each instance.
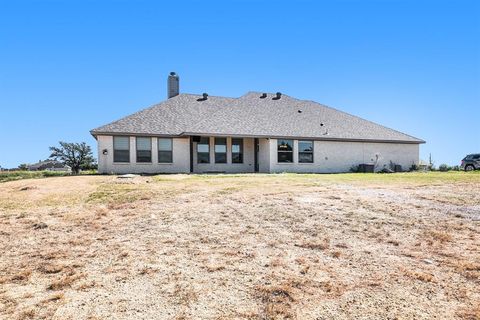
<point>188,134</point>
<point>95,134</point>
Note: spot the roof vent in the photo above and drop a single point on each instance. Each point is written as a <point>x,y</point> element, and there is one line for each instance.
<point>278,95</point>
<point>263,96</point>
<point>299,111</point>
<point>173,85</point>
<point>204,97</point>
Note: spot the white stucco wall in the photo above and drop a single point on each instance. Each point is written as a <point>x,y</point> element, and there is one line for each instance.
<point>180,164</point>
<point>248,164</point>
<point>334,156</point>
<point>329,157</point>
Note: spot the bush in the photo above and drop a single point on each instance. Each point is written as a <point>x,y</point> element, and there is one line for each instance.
<point>89,172</point>
<point>355,169</point>
<point>444,167</point>
<point>386,170</point>
<point>414,167</point>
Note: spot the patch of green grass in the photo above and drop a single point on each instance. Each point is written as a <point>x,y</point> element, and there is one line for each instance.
<point>118,193</point>
<point>405,177</point>
<point>429,178</point>
<point>19,175</point>
<point>88,172</point>
<point>230,190</point>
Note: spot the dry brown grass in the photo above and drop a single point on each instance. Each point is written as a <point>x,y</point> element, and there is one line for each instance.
<point>18,277</point>
<point>50,268</point>
<point>215,268</point>
<point>185,295</point>
<point>322,244</point>
<point>241,246</point>
<point>336,254</point>
<point>418,275</point>
<point>26,314</point>
<point>470,313</point>
<point>439,235</point>
<point>54,297</point>
<point>63,282</point>
<point>276,302</point>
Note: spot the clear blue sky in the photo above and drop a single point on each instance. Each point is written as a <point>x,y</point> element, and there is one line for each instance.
<point>69,66</point>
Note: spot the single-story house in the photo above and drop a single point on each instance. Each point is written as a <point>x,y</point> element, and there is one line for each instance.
<point>48,165</point>
<point>257,132</point>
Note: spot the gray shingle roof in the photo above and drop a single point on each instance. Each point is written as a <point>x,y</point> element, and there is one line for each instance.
<point>251,116</point>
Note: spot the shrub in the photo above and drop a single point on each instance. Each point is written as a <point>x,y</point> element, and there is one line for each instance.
<point>386,170</point>
<point>444,167</point>
<point>355,169</point>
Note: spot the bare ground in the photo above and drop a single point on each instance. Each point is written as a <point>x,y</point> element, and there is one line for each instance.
<point>241,247</point>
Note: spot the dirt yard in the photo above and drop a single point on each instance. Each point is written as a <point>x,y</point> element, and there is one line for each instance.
<point>350,246</point>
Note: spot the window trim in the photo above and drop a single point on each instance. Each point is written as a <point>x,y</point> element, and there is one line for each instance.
<point>241,150</point>
<point>136,151</point>
<point>158,150</point>
<point>209,151</point>
<point>312,152</point>
<point>129,149</point>
<point>215,151</point>
<point>292,152</point>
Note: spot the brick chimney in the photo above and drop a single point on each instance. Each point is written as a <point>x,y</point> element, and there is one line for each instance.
<point>173,85</point>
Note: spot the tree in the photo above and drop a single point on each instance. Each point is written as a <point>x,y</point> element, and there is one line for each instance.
<point>23,167</point>
<point>75,155</point>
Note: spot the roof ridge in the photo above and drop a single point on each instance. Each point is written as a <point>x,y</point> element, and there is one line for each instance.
<point>200,95</point>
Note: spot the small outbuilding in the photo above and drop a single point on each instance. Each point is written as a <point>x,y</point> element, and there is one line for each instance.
<point>48,165</point>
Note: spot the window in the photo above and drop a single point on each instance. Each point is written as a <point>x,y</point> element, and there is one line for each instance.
<point>220,150</point>
<point>305,151</point>
<point>203,150</point>
<point>144,149</point>
<point>285,150</point>
<point>121,149</point>
<point>237,150</point>
<point>472,157</point>
<point>165,150</point>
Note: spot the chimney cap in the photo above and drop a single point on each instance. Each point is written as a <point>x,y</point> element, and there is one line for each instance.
<point>278,95</point>
<point>173,85</point>
<point>263,96</point>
